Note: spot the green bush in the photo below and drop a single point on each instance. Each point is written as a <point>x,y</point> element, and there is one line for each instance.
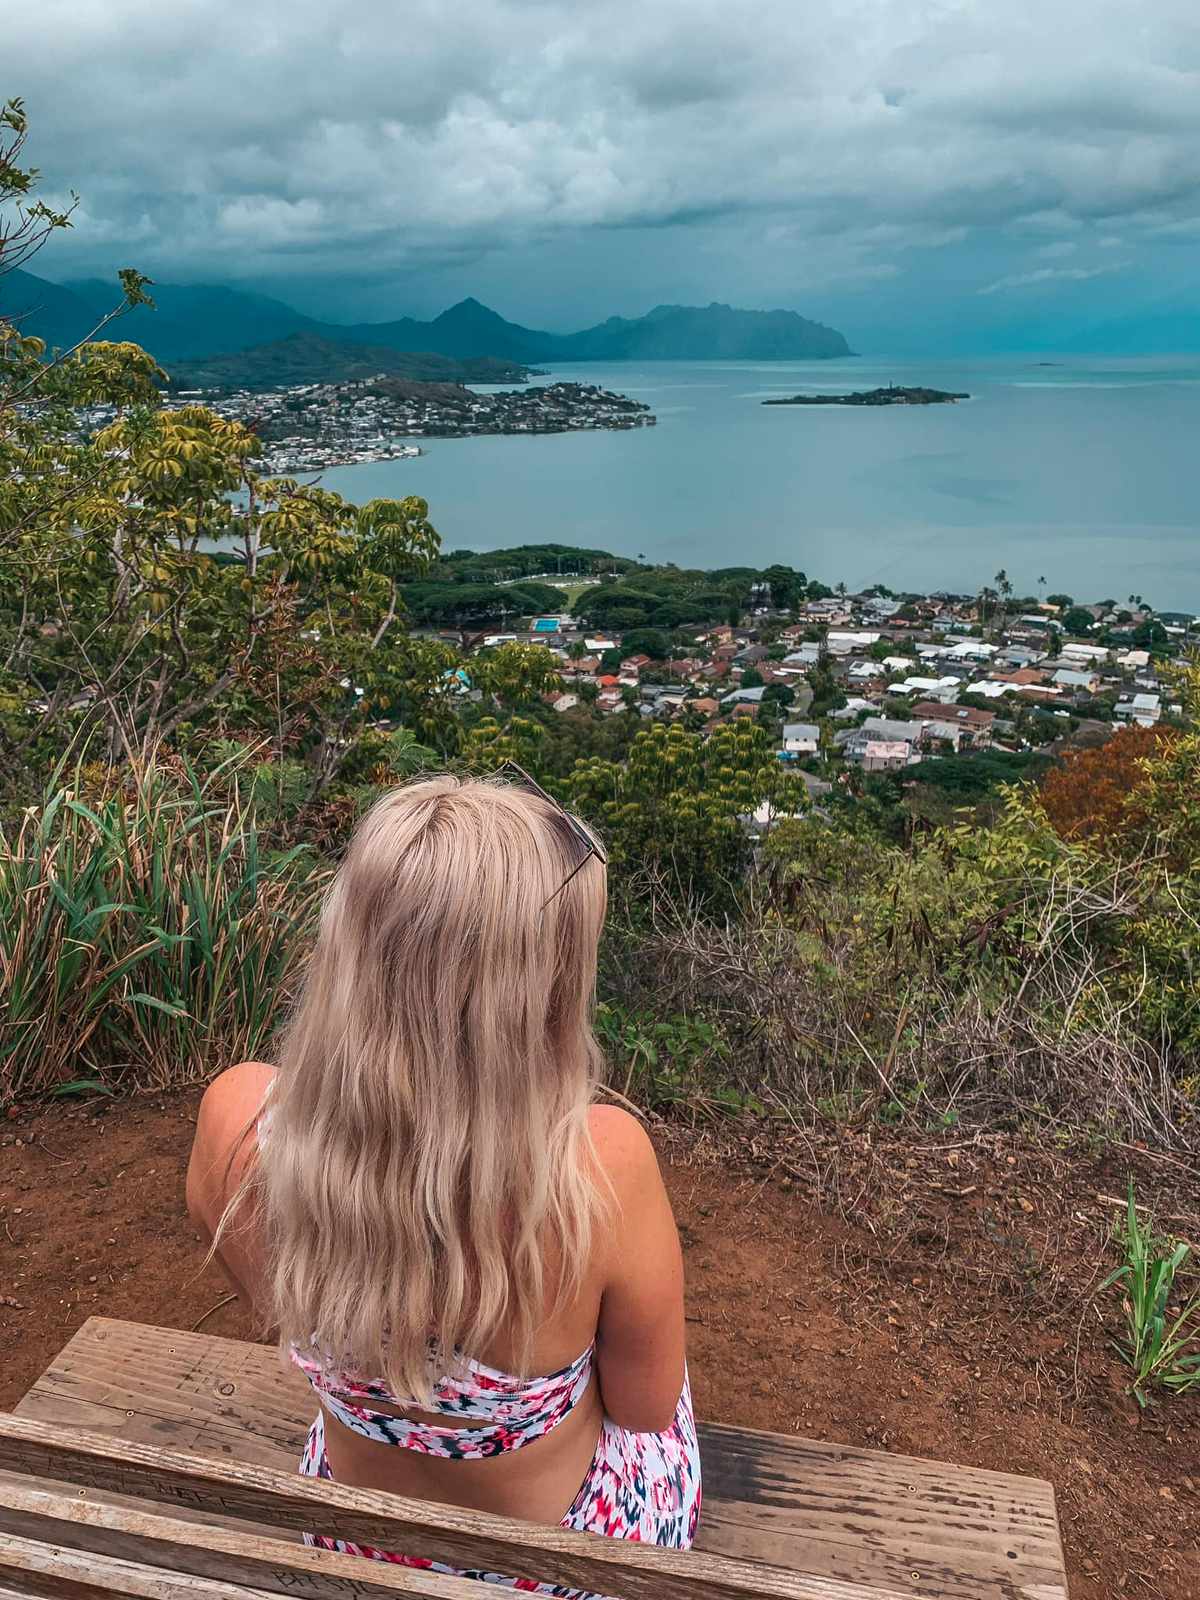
<point>146,938</point>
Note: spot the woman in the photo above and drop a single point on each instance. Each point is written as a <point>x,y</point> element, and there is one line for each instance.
<point>475,1267</point>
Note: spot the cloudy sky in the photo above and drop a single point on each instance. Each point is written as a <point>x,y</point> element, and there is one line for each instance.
<point>938,174</point>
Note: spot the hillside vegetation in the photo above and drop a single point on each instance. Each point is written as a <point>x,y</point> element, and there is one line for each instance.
<point>220,670</point>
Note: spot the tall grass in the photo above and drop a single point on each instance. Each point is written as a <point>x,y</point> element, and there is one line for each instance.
<point>146,937</point>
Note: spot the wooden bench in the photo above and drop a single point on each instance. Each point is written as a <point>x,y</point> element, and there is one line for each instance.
<point>160,1464</point>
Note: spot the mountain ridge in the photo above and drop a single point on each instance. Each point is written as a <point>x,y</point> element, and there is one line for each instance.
<point>306,357</point>
<point>200,321</point>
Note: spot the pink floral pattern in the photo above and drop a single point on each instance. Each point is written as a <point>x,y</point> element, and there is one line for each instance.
<point>643,1486</point>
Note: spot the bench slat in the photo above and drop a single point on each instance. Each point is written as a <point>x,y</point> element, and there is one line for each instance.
<point>857,1516</point>
<point>469,1539</point>
<point>49,1572</point>
<point>89,1525</point>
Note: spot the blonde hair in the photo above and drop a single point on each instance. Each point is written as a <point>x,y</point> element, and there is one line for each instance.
<point>427,1152</point>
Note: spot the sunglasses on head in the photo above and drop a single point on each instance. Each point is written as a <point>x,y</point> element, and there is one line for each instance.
<point>517,775</point>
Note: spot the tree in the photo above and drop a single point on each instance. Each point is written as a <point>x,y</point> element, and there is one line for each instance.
<point>1093,794</point>
<point>676,807</point>
<point>156,586</point>
<point>1064,602</point>
<point>652,642</point>
<point>752,678</point>
<point>1076,620</point>
<point>514,674</point>
<point>1149,634</point>
<point>1004,591</point>
<point>787,587</point>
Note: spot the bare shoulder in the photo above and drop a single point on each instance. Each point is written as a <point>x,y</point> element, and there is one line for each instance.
<point>231,1100</point>
<point>623,1147</point>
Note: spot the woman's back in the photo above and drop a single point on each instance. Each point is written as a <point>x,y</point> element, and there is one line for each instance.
<point>430,1185</point>
<point>624,1329</point>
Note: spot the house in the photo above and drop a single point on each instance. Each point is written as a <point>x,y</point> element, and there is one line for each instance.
<point>608,680</point>
<point>1069,678</point>
<point>882,738</point>
<point>804,655</point>
<point>704,707</point>
<point>941,689</point>
<point>864,670</point>
<point>973,650</point>
<point>751,654</point>
<point>1084,652</point>
<point>885,755</point>
<point>1018,656</point>
<point>1144,709</point>
<point>564,702</point>
<point>962,725</point>
<point>892,729</point>
<point>599,646</point>
<point>801,738</point>
<point>749,697</point>
<point>635,663</point>
<point>851,709</point>
<point>1021,678</point>
<point>1134,659</point>
<point>844,644</point>
<point>775,672</point>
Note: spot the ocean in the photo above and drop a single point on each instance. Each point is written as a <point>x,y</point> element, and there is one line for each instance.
<point>1082,472</point>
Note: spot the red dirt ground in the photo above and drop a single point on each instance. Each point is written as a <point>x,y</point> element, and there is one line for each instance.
<point>932,1296</point>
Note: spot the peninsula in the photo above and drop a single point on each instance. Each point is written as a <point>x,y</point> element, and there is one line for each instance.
<point>891,396</point>
<point>310,426</point>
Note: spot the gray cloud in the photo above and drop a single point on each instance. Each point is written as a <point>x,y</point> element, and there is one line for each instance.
<point>1040,275</point>
<point>850,142</point>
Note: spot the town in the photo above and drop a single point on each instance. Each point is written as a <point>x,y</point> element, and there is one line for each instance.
<point>872,682</point>
<point>308,427</point>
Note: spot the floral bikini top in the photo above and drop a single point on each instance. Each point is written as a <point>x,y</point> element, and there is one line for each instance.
<point>511,1411</point>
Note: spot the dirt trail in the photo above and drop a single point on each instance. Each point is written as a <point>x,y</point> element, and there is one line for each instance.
<point>949,1318</point>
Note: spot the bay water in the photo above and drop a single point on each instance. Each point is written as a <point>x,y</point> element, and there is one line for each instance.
<point>1081,472</point>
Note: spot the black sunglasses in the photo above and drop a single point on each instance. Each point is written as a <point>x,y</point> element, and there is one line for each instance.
<point>518,776</point>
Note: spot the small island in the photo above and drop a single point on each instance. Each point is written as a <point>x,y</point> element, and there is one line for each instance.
<point>891,396</point>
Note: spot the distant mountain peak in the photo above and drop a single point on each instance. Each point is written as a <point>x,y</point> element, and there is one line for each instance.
<point>198,321</point>
<point>471,309</point>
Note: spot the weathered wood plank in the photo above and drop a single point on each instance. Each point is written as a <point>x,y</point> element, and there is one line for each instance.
<point>64,1522</point>
<point>468,1539</point>
<point>48,1572</point>
<point>854,1515</point>
<point>79,1522</point>
<point>285,1501</point>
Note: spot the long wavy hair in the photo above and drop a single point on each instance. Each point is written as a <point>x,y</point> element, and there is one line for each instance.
<point>425,1173</point>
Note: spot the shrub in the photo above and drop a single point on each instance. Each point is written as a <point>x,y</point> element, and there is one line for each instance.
<point>146,938</point>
